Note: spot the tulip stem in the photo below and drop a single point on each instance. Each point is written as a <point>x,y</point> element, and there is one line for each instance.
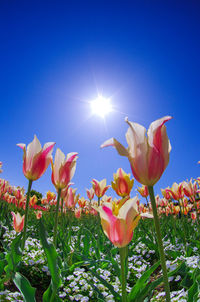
<point>56,218</point>
<point>26,213</point>
<point>99,198</point>
<point>160,243</point>
<point>123,255</point>
<point>62,218</point>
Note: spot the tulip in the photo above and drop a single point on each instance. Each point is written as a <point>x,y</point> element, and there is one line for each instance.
<point>35,162</point>
<point>176,191</point>
<point>38,214</point>
<point>78,212</point>
<point>50,195</point>
<point>190,189</point>
<point>82,202</point>
<point>100,188</point>
<point>106,198</point>
<point>36,159</point>
<point>93,212</point>
<point>193,215</point>
<point>18,222</point>
<point>119,220</point>
<point>33,200</point>
<point>63,169</point>
<point>70,200</point>
<point>166,193</point>
<point>176,210</point>
<point>90,193</point>
<point>148,156</point>
<point>122,183</point>
<point>19,192</point>
<point>143,191</point>
<point>1,167</point>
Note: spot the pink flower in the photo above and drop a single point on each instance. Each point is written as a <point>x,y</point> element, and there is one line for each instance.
<point>122,183</point>
<point>35,158</point>
<point>143,191</point>
<point>78,212</point>
<point>38,214</point>
<point>148,155</point>
<point>99,187</point>
<point>189,188</point>
<point>63,169</point>
<point>18,222</point>
<point>176,191</point>
<point>70,200</point>
<point>82,202</point>
<point>90,193</point>
<point>119,220</point>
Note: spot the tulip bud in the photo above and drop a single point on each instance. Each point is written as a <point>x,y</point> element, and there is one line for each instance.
<point>122,183</point>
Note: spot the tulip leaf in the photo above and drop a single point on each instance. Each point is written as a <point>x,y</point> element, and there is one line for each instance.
<point>106,284</point>
<point>93,241</point>
<point>193,292</point>
<point>142,282</point>
<point>53,265</point>
<point>50,294</point>
<point>148,289</point>
<point>3,263</point>
<point>14,256</point>
<point>27,291</point>
<point>99,294</point>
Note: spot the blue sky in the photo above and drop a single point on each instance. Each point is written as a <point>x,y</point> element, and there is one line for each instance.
<point>55,56</point>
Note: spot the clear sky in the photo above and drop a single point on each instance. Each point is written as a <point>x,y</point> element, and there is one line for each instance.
<point>56,56</point>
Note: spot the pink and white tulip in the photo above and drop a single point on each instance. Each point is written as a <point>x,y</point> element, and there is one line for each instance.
<point>18,222</point>
<point>119,221</point>
<point>100,187</point>
<point>90,193</point>
<point>148,155</point>
<point>63,169</point>
<point>35,158</point>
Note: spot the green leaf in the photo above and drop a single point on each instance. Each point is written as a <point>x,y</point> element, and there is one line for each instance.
<point>53,264</point>
<point>14,256</point>
<point>99,294</point>
<point>27,291</point>
<point>141,283</point>
<point>2,266</point>
<point>193,292</point>
<point>50,295</point>
<point>106,284</point>
<point>147,291</point>
<point>86,245</point>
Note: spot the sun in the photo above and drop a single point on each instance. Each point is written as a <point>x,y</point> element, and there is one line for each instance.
<point>101,106</point>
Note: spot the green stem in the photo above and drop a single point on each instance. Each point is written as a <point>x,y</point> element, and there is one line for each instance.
<point>62,201</point>
<point>56,218</point>
<point>26,213</point>
<point>99,198</point>
<point>123,255</point>
<point>160,243</point>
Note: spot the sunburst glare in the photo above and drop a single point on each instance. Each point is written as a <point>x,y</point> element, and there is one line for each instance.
<point>101,106</point>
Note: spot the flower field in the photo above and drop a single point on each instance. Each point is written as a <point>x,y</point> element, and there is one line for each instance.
<point>63,247</point>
